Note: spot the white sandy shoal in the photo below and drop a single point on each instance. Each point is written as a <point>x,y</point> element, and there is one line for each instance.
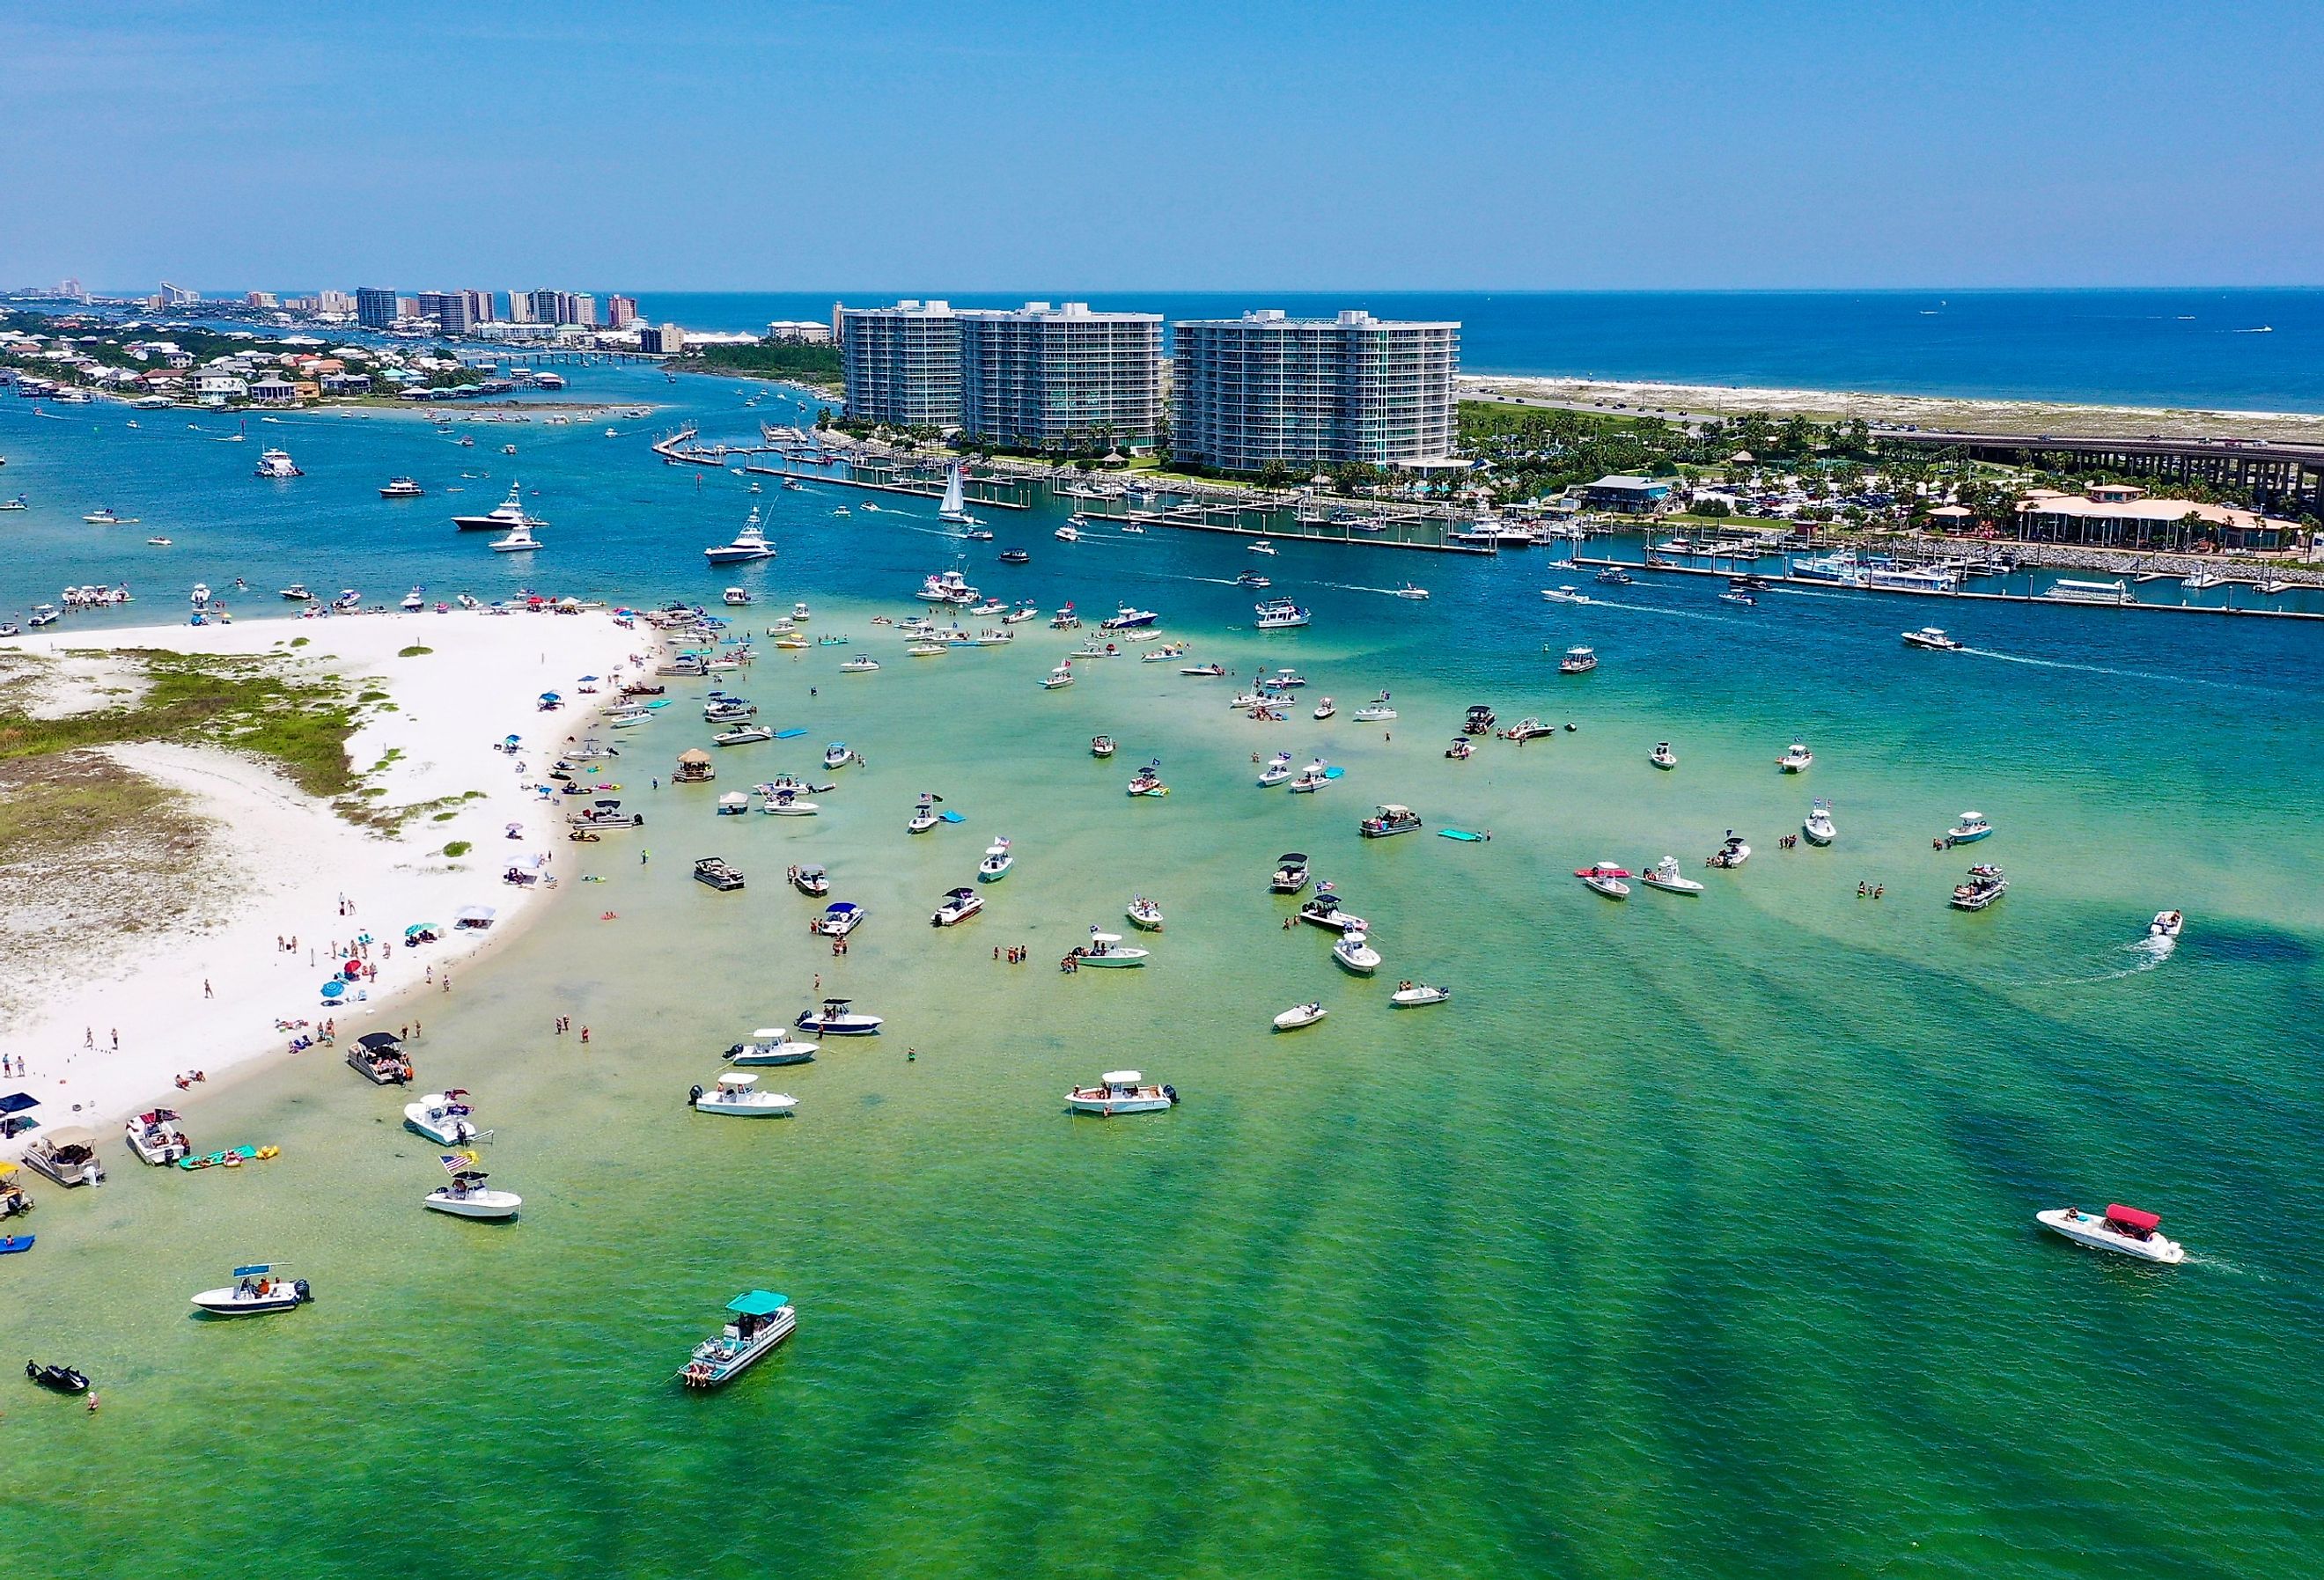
<point>294,858</point>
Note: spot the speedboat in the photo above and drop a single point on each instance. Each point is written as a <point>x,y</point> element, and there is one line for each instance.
<point>1578,661</point>
<point>1374,712</point>
<point>1252,578</point>
<point>744,736</point>
<point>1354,952</point>
<point>1101,747</point>
<point>859,666</point>
<point>769,1045</point>
<point>1817,829</point>
<point>1417,594</point>
<point>840,918</point>
<point>1733,852</point>
<point>1527,729</point>
<point>1325,709</point>
<point>1311,779</point>
<point>1665,875</point>
<point>1797,759</point>
<point>519,541</point>
<point>1144,914</point>
<point>1661,756</point>
<point>1059,678</point>
<point>1107,949</point>
<point>1565,595</point>
<point>996,862</point>
<point>1068,533</point>
<point>2165,924</point>
<point>254,1293</point>
<point>296,592</point>
<point>1412,995</point>
<point>1971,828</point>
<point>924,817</point>
<point>1606,877</point>
<point>1205,672</point>
<point>750,543</point>
<point>1986,885</point>
<point>105,516</point>
<point>837,755</point>
<point>957,907</point>
<point>1277,770</point>
<point>761,1321</point>
<point>1748,600</point>
<point>737,1096</point>
<point>813,881</point>
<point>158,1138</point>
<point>789,803</point>
<point>1299,1015</point>
<point>1126,618</point>
<point>1262,548</point>
<point>1390,818</point>
<point>1290,874</point>
<point>1122,1091</point>
<point>445,1118</point>
<point>468,1197</point>
<point>412,602</point>
<point>837,1019</point>
<point>2128,1230</point>
<point>1284,681</point>
<point>1148,782</point>
<point>1934,639</point>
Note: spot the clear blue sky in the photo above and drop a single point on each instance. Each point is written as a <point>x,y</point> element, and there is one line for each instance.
<point>673,145</point>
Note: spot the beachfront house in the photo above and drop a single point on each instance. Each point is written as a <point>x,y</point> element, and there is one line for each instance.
<point>215,389</point>
<point>1630,495</point>
<point>274,390</point>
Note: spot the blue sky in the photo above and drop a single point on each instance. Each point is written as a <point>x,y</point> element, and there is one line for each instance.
<point>810,146</point>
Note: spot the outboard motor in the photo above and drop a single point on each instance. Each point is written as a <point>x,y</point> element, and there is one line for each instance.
<point>694,1096</point>
<point>1171,1093</point>
<point>298,1288</point>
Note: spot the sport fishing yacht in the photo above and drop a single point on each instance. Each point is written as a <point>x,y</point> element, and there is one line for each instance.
<point>1797,759</point>
<point>518,541</point>
<point>750,543</point>
<point>509,514</point>
<point>1817,829</point>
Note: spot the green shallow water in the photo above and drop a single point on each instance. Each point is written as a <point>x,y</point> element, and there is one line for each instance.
<point>1692,1237</point>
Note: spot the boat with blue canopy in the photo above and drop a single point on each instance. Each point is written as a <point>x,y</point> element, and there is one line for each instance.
<point>760,1320</point>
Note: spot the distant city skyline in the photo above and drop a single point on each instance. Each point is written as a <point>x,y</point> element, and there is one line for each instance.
<point>1794,144</point>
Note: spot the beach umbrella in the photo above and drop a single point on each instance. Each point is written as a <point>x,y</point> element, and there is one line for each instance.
<point>549,696</point>
<point>417,928</point>
<point>352,969</point>
<point>334,988</point>
<point>588,677</point>
<point>512,740</point>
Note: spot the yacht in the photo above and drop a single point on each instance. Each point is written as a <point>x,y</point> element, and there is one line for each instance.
<point>1578,661</point>
<point>1290,874</point>
<point>840,918</point>
<point>948,586</point>
<point>2128,1230</point>
<point>1061,677</point>
<point>996,862</point>
<point>761,1321</point>
<point>1412,995</point>
<point>1934,639</point>
<point>1971,828</point>
<point>276,464</point>
<point>737,1096</point>
<point>957,907</point>
<point>1354,952</point>
<point>158,1138</point>
<point>1732,853</point>
<point>1277,770</point>
<point>1300,1015</point>
<point>1281,615</point>
<point>400,488</point>
<point>1665,875</point>
<point>1606,878</point>
<point>1144,914</point>
<point>750,543</point>
<point>1126,618</point>
<point>770,1046</point>
<point>1122,1091</point>
<point>1661,756</point>
<point>835,1019</point>
<point>445,1118</point>
<point>2066,590</point>
<point>1986,885</point>
<point>254,1293</point>
<point>518,541</point>
<point>466,1195</point>
<point>2167,924</point>
<point>1106,948</point>
<point>1389,819</point>
<point>510,512</point>
<point>1797,759</point>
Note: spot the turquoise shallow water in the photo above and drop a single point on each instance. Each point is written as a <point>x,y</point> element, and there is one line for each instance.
<point>1693,1237</point>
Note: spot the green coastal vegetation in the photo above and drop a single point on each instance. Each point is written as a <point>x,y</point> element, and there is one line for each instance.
<point>766,359</point>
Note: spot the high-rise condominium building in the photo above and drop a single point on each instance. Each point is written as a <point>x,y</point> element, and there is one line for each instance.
<point>902,363</point>
<point>621,311</point>
<point>449,309</point>
<point>374,308</point>
<point>1046,377</point>
<point>1267,388</point>
<point>480,305</point>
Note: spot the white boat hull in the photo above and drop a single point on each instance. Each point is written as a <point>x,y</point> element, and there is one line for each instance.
<point>2090,1229</point>
<point>1673,885</point>
<point>487,1205</point>
<point>758,1105</point>
<point>1116,957</point>
<point>1412,998</point>
<point>228,1302</point>
<point>1294,1020</point>
<point>1106,1107</point>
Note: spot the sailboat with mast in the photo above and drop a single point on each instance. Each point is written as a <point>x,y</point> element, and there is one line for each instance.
<point>954,509</point>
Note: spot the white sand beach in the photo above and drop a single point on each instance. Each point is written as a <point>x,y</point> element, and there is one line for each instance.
<point>206,990</point>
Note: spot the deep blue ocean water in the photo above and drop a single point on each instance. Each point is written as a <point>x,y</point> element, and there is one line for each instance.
<point>2175,347</point>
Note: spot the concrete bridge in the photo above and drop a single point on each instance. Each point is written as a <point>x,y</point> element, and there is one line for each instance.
<point>2281,475</point>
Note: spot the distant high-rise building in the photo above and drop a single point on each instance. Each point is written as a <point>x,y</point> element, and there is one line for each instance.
<point>668,339</point>
<point>407,307</point>
<point>621,311</point>
<point>449,309</point>
<point>375,309</point>
<point>70,290</point>
<point>334,301</point>
<point>1060,377</point>
<point>520,307</point>
<point>258,299</point>
<point>1266,388</point>
<point>480,305</point>
<point>902,363</point>
<point>177,295</point>
<point>582,307</point>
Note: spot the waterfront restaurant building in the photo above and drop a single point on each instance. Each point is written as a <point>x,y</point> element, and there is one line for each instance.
<point>1630,495</point>
<point>1266,388</point>
<point>1061,378</point>
<point>902,363</point>
<point>2116,515</point>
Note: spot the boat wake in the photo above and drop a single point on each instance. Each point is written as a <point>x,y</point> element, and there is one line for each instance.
<point>1986,653</point>
<point>2150,952</point>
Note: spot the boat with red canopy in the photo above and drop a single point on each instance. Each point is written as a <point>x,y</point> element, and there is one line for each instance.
<point>2132,1230</point>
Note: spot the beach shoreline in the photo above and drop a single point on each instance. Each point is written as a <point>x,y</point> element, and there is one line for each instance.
<point>223,995</point>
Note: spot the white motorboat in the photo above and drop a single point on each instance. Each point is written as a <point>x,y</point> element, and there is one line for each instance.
<point>1144,914</point>
<point>296,592</point>
<point>1817,828</point>
<point>506,515</point>
<point>254,1293</point>
<point>761,1321</point>
<point>750,543</point>
<point>2068,590</point>
<point>1578,661</point>
<point>2128,1230</point>
<point>158,1137</point>
<point>838,755</point>
<point>445,1118</point>
<point>737,1096</point>
<point>412,603</point>
<point>1280,614</point>
<point>924,818</point>
<point>1565,595</point>
<point>1148,781</point>
<point>1059,678</point>
<point>1068,533</point>
<point>2167,924</point>
<point>1986,885</point>
<point>1417,594</point>
<point>836,1019</point>
<point>1606,878</point>
<point>1733,852</point>
<point>1299,1015</point>
<point>799,612</point>
<point>1323,909</point>
<point>1354,952</point>
<point>1284,680</point>
<point>1972,827</point>
<point>840,918</point>
<point>789,803</point>
<point>1122,1091</point>
<point>1374,712</point>
<point>744,736</point>
<point>859,666</point>
<point>1277,770</point>
<point>1665,875</point>
<point>276,464</point>
<point>769,1045</point>
<point>1661,756</point>
<point>468,1197</point>
<point>1106,948</point>
<point>1126,618</point>
<point>1290,874</point>
<point>1325,709</point>
<point>520,540</point>
<point>1262,548</point>
<point>1797,759</point>
<point>996,862</point>
<point>1412,995</point>
<point>957,907</point>
<point>1311,779</point>
<point>1934,639</point>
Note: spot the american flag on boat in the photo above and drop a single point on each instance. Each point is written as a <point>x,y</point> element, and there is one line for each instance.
<point>456,1162</point>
